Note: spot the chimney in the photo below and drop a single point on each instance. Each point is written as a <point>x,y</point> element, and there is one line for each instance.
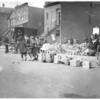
<point>3,5</point>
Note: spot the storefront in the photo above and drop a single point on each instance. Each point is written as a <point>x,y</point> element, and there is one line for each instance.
<point>26,19</point>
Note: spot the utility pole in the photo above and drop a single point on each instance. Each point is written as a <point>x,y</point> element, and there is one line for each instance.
<point>17,2</point>
<point>60,27</point>
<point>60,32</point>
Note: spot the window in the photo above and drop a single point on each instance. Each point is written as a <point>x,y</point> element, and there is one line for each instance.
<point>47,15</point>
<point>57,33</point>
<point>58,16</point>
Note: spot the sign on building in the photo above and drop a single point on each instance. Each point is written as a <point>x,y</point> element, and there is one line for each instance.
<point>53,37</point>
<point>96,30</point>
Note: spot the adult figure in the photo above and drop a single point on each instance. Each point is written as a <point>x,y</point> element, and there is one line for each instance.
<point>23,49</point>
<point>6,41</point>
<point>93,44</point>
<point>34,52</point>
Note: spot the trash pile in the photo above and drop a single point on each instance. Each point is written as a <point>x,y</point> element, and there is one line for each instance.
<point>72,55</point>
<point>76,61</point>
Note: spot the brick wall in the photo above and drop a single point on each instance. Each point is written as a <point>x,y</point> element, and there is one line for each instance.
<point>36,17</point>
<point>76,22</point>
<point>3,22</point>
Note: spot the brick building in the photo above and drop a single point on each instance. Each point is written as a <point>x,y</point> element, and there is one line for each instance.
<point>4,14</point>
<point>29,19</point>
<point>67,20</point>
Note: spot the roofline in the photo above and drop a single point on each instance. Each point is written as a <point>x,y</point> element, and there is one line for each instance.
<point>24,4</point>
<point>36,7</point>
<point>47,4</point>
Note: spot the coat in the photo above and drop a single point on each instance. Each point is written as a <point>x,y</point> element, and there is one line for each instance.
<point>22,47</point>
<point>94,45</point>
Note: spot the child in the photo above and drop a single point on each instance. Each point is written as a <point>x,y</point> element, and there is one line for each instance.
<point>29,48</point>
<point>23,49</point>
<point>34,52</point>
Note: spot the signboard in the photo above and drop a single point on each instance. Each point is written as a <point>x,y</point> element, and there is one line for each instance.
<point>96,30</point>
<point>19,16</point>
<point>53,37</point>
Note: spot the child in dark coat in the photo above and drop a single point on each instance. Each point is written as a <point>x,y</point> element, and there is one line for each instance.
<point>23,49</point>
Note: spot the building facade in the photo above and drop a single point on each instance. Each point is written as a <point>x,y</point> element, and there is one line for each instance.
<point>4,14</point>
<point>26,17</point>
<point>19,16</point>
<point>67,20</point>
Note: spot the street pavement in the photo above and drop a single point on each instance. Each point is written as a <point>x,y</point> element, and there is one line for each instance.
<point>27,79</point>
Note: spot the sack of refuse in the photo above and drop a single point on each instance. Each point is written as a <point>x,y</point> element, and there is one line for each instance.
<point>86,64</point>
<point>49,57</point>
<point>64,59</point>
<point>75,63</point>
<point>42,57</point>
<point>57,58</point>
<point>46,46</point>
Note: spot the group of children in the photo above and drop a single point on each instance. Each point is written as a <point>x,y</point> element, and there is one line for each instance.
<point>29,47</point>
